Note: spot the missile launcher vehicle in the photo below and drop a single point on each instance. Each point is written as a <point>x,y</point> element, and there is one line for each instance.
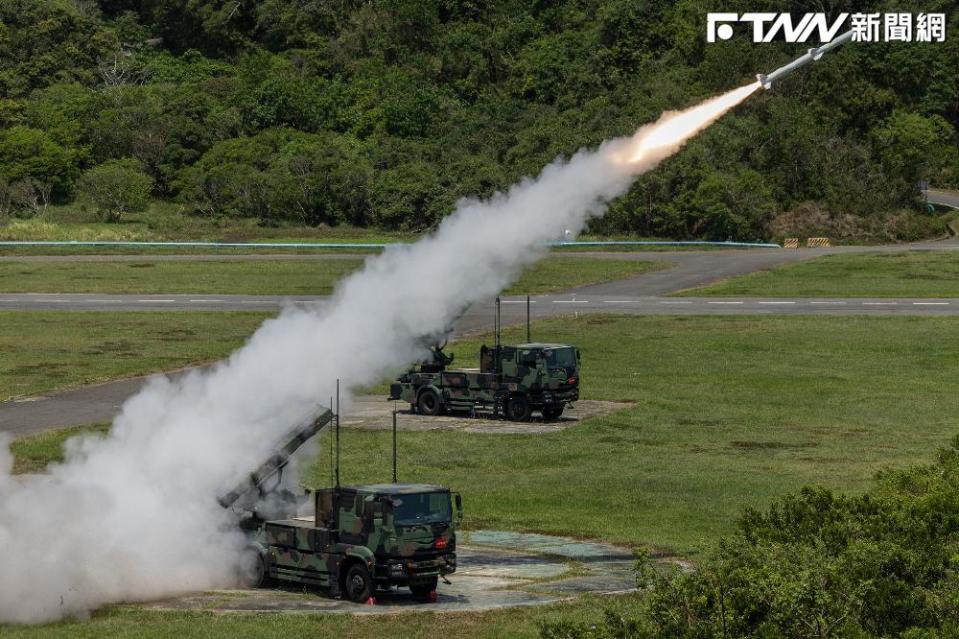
<point>512,381</point>
<point>357,540</point>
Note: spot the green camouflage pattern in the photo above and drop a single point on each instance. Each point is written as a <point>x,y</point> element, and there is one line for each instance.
<point>353,524</point>
<point>543,377</point>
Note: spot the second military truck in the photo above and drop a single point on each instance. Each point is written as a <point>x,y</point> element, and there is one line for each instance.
<point>512,381</point>
<point>358,539</point>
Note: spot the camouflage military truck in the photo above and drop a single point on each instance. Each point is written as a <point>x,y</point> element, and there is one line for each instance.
<point>362,538</point>
<point>512,381</point>
<point>358,538</point>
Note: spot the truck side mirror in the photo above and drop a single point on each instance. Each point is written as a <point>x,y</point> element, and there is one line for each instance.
<point>458,500</point>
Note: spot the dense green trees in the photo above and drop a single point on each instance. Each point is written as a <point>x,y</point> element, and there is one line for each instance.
<point>817,564</point>
<point>387,112</point>
<point>114,188</point>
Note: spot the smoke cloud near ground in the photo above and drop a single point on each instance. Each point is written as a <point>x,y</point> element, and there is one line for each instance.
<point>133,515</point>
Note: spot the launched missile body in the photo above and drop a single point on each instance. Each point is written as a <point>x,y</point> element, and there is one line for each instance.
<point>811,56</point>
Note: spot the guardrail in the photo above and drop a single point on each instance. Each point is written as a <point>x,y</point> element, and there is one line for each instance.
<point>344,245</point>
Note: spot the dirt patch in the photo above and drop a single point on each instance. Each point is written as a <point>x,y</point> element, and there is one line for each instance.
<point>376,413</point>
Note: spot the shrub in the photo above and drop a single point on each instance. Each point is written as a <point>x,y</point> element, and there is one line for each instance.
<point>817,564</point>
<point>116,187</point>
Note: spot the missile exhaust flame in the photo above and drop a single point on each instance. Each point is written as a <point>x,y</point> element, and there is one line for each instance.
<point>655,141</point>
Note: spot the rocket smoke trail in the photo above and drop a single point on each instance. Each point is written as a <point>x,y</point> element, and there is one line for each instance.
<point>133,515</point>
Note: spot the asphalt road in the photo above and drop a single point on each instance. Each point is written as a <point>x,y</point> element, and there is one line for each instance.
<point>946,198</point>
<point>642,295</point>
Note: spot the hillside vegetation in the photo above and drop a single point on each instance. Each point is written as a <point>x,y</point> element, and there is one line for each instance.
<point>384,113</point>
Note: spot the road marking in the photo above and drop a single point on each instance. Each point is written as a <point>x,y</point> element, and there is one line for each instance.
<point>570,301</point>
<point>208,301</point>
<point>256,302</point>
<point>664,302</point>
<point>777,302</point>
<point>517,301</point>
<point>725,302</point>
<point>879,303</point>
<point>835,303</point>
<point>930,303</point>
<point>621,301</point>
<point>156,301</point>
<point>107,301</point>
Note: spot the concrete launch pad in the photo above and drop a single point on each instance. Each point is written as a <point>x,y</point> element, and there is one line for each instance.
<point>375,413</point>
<point>496,570</point>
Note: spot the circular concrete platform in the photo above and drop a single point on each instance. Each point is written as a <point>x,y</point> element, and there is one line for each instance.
<point>496,570</point>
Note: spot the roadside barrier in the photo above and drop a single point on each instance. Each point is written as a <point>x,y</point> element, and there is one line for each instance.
<point>791,243</point>
<point>818,242</point>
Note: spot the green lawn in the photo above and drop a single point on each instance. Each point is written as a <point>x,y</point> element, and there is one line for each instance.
<point>730,411</point>
<point>33,453</point>
<point>906,274</point>
<point>269,277</point>
<point>167,221</point>
<point>522,622</point>
<point>243,277</point>
<point>163,221</point>
<point>45,351</point>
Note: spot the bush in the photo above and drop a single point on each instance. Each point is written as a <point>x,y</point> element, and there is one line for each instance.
<point>116,187</point>
<point>28,154</point>
<point>23,198</point>
<point>282,175</point>
<point>818,564</point>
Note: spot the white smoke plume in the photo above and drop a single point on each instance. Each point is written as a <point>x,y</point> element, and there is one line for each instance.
<point>133,515</point>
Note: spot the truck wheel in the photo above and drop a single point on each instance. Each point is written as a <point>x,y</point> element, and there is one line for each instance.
<point>258,575</point>
<point>359,586</point>
<point>422,592</point>
<point>518,408</point>
<point>429,403</point>
<point>553,411</point>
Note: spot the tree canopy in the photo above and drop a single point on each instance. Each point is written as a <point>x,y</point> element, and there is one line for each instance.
<point>386,112</point>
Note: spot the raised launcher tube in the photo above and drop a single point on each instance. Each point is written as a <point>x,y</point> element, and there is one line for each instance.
<point>277,461</point>
<point>766,80</point>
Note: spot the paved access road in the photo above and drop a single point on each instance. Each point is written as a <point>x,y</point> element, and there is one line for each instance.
<point>945,198</point>
<point>641,295</point>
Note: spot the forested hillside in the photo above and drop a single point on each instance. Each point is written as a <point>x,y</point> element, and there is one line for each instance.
<point>385,112</point>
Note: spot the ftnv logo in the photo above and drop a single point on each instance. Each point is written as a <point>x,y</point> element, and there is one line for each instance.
<point>865,27</point>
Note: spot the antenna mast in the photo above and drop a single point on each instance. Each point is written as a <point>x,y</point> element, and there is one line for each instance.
<point>394,442</point>
<point>528,340</point>
<point>337,432</point>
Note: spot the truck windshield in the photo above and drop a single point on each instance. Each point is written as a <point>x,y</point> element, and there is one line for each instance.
<point>421,508</point>
<point>561,358</point>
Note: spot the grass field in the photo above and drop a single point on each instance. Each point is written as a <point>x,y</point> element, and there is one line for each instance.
<point>163,221</point>
<point>729,412</point>
<point>906,274</point>
<point>270,277</point>
<point>167,221</point>
<point>126,621</point>
<point>45,351</point>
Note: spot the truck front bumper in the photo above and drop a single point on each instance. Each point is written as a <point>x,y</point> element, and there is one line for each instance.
<point>405,571</point>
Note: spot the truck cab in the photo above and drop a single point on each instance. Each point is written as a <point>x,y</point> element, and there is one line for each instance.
<point>363,538</point>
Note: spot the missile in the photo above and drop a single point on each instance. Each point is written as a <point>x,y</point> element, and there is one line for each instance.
<point>811,56</point>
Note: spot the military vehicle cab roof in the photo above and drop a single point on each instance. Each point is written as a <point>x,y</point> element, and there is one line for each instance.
<point>397,489</point>
<point>542,345</point>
